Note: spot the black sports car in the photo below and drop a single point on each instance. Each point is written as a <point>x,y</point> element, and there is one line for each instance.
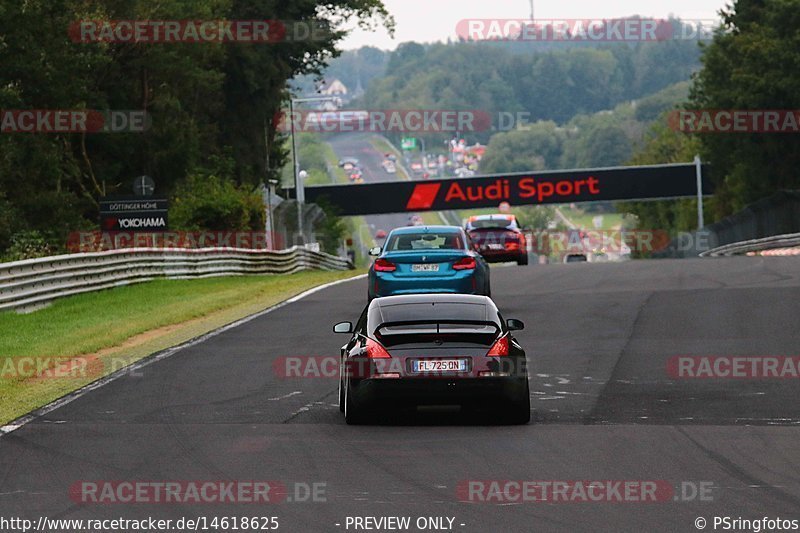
<point>433,349</point>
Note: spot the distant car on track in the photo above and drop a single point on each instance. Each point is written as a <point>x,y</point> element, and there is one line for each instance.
<point>427,259</point>
<point>575,258</point>
<point>380,234</point>
<point>348,161</point>
<point>415,220</point>
<point>498,238</point>
<point>389,166</point>
<point>418,350</point>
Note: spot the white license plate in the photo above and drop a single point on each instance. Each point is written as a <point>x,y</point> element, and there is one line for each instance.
<point>425,268</point>
<point>494,246</point>
<point>440,365</point>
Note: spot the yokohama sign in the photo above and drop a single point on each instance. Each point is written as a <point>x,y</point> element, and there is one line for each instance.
<point>133,214</point>
<point>529,188</point>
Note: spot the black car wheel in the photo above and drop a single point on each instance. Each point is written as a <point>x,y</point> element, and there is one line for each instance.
<point>353,413</point>
<point>522,260</point>
<point>341,393</point>
<point>519,412</point>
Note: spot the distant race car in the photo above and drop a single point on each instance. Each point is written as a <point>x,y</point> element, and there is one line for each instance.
<point>380,234</point>
<point>417,350</point>
<point>575,258</point>
<point>427,259</point>
<point>351,161</point>
<point>498,238</point>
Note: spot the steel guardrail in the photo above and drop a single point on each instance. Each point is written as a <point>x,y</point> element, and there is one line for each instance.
<point>32,283</point>
<point>754,245</point>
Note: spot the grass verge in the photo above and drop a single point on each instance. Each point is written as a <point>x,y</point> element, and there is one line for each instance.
<point>97,333</point>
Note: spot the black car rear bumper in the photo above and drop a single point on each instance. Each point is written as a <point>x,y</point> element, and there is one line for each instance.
<point>372,393</point>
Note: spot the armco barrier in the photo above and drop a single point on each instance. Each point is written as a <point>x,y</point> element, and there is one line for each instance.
<point>31,283</point>
<point>755,245</point>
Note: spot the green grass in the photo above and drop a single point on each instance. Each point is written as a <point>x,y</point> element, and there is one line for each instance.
<point>127,323</point>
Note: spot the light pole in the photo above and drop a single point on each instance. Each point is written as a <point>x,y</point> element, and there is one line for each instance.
<point>424,156</point>
<point>299,190</point>
<point>270,221</point>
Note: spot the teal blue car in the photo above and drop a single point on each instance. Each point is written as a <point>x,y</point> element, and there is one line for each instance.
<point>427,259</point>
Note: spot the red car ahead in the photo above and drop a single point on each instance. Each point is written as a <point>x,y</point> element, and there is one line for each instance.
<point>498,238</point>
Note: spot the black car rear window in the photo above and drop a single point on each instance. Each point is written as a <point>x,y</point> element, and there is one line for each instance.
<point>492,223</point>
<point>433,312</point>
<point>425,241</point>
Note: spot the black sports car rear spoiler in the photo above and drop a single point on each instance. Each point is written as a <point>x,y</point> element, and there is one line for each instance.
<point>438,323</point>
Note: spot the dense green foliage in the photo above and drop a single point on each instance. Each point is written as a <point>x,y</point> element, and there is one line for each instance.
<point>205,100</point>
<point>546,84</point>
<point>754,64</point>
<point>606,138</point>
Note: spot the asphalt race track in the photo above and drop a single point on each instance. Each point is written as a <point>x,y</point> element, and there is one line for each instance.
<point>599,337</point>
<point>369,159</point>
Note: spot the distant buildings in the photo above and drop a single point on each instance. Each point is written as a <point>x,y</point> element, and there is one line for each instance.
<point>335,88</point>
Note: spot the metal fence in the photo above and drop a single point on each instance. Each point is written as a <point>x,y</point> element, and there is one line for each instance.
<point>775,215</point>
<point>285,223</point>
<point>755,245</point>
<point>29,284</point>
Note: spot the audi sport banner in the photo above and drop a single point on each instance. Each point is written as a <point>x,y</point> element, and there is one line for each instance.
<point>133,214</point>
<point>526,188</point>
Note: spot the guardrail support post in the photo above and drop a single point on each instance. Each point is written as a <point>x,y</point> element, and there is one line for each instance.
<point>699,171</point>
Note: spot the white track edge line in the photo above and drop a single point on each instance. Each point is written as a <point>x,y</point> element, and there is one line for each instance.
<point>158,356</point>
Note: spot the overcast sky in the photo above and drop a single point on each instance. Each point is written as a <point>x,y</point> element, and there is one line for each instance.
<point>435,20</point>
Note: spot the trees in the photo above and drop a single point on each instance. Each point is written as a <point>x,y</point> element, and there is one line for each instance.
<point>550,83</point>
<point>205,100</point>
<point>532,147</point>
<point>664,145</point>
<point>753,64</point>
